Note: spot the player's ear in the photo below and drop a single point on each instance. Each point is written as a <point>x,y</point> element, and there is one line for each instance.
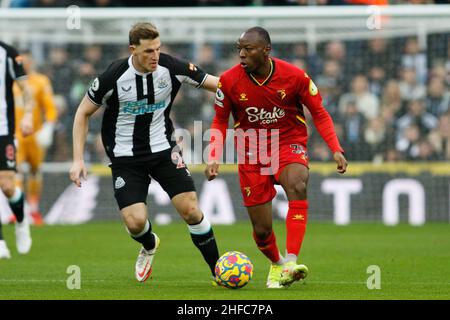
<point>267,50</point>
<point>132,48</point>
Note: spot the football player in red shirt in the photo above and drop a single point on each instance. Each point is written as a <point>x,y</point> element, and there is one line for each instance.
<point>266,97</point>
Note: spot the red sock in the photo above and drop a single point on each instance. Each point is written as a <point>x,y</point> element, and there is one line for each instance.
<point>268,247</point>
<point>296,220</point>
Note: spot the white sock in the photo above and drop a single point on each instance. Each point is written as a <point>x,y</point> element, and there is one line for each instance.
<point>281,261</point>
<point>202,227</point>
<point>291,257</point>
<point>16,196</point>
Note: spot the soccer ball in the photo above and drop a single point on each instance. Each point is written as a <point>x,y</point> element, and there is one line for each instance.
<point>233,270</point>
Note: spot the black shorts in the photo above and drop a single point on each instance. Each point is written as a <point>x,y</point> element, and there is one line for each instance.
<point>7,153</point>
<point>131,180</point>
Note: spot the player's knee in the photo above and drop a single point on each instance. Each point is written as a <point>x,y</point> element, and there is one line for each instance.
<point>8,188</point>
<point>300,188</point>
<point>135,224</point>
<point>297,188</point>
<point>191,213</point>
<point>188,209</point>
<point>262,232</point>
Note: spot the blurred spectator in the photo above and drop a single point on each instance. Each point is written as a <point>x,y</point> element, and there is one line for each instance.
<point>366,102</point>
<point>392,98</point>
<point>426,151</point>
<point>438,71</point>
<point>82,78</point>
<point>440,137</point>
<point>414,58</point>
<point>93,55</point>
<point>392,155</point>
<point>206,59</point>
<point>377,77</point>
<point>59,69</point>
<point>377,54</point>
<point>375,136</point>
<point>408,141</point>
<point>409,87</point>
<point>311,62</point>
<point>379,62</point>
<point>336,51</point>
<point>417,117</point>
<point>438,98</point>
<point>353,123</point>
<point>320,151</point>
<point>447,64</point>
<point>329,84</point>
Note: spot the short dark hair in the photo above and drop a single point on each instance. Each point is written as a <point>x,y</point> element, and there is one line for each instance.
<point>142,30</point>
<point>263,34</point>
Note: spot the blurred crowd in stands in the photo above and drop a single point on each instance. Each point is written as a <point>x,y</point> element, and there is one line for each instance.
<point>196,3</point>
<point>389,99</point>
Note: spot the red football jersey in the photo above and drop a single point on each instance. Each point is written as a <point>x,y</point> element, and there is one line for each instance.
<point>276,103</point>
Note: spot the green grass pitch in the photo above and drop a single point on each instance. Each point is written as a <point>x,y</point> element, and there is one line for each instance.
<point>414,263</point>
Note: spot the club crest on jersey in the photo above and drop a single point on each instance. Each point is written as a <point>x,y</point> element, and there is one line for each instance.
<point>281,93</point>
<point>162,83</point>
<point>243,97</point>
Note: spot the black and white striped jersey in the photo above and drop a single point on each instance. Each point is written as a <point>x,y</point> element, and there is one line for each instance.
<point>136,121</point>
<point>10,69</point>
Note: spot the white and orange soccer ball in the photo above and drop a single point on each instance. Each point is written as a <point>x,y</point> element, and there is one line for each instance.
<point>233,270</point>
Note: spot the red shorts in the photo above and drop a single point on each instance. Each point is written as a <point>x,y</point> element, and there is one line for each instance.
<point>257,180</point>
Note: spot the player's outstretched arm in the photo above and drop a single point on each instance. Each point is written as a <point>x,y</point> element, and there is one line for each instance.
<point>210,83</point>
<point>340,161</point>
<point>80,130</point>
